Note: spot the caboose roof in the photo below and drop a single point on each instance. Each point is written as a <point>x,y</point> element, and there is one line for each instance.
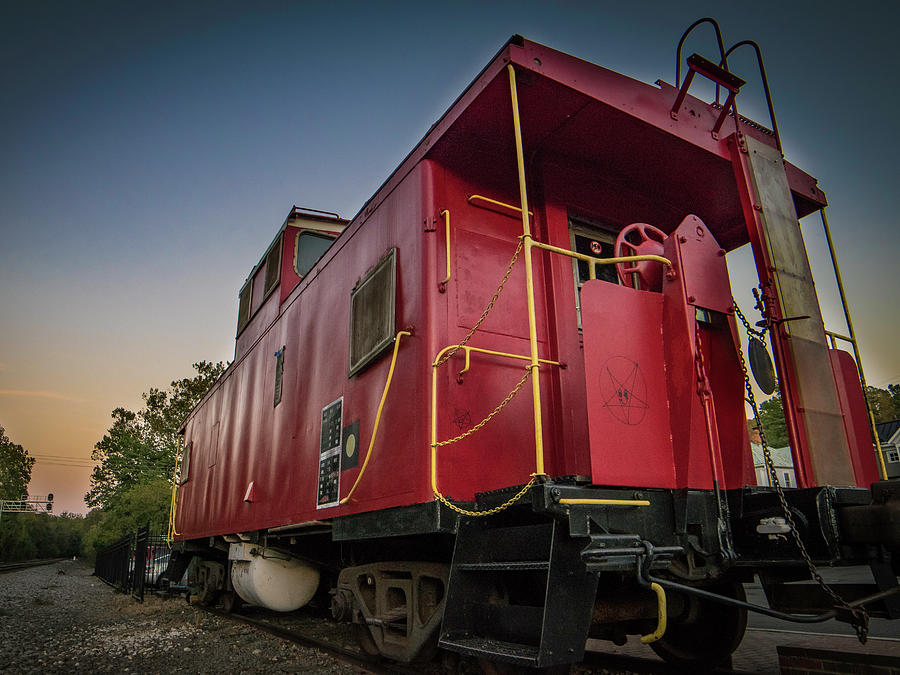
<point>575,111</point>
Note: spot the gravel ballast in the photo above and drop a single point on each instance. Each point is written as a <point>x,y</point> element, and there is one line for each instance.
<point>58,618</point>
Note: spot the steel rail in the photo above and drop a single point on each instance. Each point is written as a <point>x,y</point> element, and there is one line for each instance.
<point>25,564</point>
<point>356,658</point>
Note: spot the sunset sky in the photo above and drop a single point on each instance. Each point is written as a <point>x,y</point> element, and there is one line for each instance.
<point>149,151</point>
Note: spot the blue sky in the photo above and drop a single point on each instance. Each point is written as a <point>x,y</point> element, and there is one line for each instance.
<point>150,151</point>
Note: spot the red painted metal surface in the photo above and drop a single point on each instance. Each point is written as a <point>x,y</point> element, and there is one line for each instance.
<point>856,418</point>
<point>602,150</point>
<point>629,422</point>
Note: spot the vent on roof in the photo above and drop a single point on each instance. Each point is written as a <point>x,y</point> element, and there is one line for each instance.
<point>372,313</point>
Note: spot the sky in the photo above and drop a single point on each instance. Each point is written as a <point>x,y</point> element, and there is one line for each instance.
<point>150,150</point>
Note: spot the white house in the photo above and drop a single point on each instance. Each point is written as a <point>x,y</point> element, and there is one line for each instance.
<point>889,436</point>
<point>784,465</point>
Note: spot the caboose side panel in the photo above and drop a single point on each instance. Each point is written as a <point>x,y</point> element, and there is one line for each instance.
<point>268,474</point>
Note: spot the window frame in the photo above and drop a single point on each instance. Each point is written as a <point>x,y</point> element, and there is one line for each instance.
<point>276,247</point>
<point>605,234</point>
<point>245,316</point>
<point>363,361</point>
<point>184,469</point>
<point>279,376</point>
<point>313,233</point>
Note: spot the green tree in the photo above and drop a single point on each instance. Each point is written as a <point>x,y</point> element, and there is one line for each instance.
<point>771,416</point>
<point>15,468</point>
<point>884,403</point>
<point>894,390</point>
<point>140,447</point>
<point>145,502</point>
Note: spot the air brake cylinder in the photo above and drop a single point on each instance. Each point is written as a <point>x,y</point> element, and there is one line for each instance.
<point>271,578</point>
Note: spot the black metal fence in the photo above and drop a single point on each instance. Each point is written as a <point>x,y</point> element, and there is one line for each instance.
<point>134,563</point>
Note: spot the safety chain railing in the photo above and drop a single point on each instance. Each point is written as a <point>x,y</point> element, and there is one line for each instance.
<point>526,242</point>
<point>509,397</point>
<point>859,617</point>
<point>487,310</point>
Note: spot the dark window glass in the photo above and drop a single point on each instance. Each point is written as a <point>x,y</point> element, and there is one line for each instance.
<point>244,305</point>
<point>273,266</point>
<point>185,462</point>
<point>309,249</point>
<point>279,374</point>
<point>588,245</point>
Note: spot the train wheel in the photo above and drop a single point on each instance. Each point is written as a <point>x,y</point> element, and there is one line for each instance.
<point>231,602</point>
<point>365,640</point>
<point>708,635</point>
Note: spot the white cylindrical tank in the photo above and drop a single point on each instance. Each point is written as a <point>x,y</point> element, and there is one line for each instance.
<point>272,579</point>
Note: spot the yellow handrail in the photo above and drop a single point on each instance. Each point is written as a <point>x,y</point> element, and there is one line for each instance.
<point>482,198</point>
<point>606,502</point>
<point>529,279</point>
<point>467,349</point>
<point>387,386</point>
<point>833,335</point>
<point>173,503</point>
<point>852,340</point>
<point>434,366</point>
<point>601,261</point>
<point>446,216</point>
<point>660,615</point>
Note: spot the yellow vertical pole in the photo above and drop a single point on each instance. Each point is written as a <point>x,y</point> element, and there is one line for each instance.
<point>434,487</point>
<point>529,279</point>
<point>862,375</point>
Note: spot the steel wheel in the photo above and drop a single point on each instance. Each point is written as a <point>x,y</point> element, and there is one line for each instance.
<point>231,602</point>
<point>365,640</point>
<point>709,632</point>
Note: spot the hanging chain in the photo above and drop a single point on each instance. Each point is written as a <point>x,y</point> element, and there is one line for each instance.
<point>761,334</point>
<point>859,617</point>
<point>446,357</point>
<point>497,509</point>
<point>494,412</point>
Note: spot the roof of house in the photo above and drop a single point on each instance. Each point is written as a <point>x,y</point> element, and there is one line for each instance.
<point>887,430</point>
<point>781,457</point>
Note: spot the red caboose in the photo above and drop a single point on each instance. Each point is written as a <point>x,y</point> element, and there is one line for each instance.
<point>503,407</point>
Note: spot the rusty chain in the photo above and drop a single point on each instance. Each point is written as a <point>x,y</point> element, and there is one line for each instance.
<point>859,617</point>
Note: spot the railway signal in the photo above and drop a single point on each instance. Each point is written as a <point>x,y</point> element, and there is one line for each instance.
<point>31,504</point>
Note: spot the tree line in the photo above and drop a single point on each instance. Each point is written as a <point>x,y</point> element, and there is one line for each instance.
<point>130,484</point>
<point>884,403</point>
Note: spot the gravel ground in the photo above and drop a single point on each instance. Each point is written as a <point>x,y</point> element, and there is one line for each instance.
<point>59,619</point>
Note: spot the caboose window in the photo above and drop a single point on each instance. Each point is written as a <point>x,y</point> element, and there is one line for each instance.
<point>273,266</point>
<point>597,243</point>
<point>244,305</point>
<point>185,462</point>
<point>308,248</point>
<point>372,313</point>
<point>279,374</point>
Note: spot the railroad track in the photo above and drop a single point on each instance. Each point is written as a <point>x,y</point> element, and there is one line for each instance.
<point>337,645</point>
<point>337,641</point>
<point>14,566</point>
